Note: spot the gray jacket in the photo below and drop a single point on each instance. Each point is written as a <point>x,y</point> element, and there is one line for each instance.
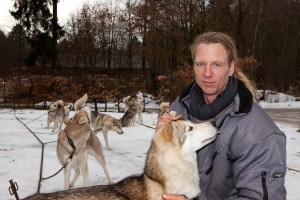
<point>247,160</point>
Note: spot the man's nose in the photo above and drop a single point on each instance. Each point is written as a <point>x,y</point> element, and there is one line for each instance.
<point>207,71</point>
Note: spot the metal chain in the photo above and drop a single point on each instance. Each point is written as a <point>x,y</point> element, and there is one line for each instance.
<point>37,117</point>
<point>42,154</point>
<point>145,125</point>
<point>55,173</point>
<point>295,170</point>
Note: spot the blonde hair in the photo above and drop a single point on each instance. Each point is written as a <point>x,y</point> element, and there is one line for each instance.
<point>228,43</point>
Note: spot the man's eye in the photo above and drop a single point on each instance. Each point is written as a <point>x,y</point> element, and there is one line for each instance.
<point>217,65</point>
<point>200,64</point>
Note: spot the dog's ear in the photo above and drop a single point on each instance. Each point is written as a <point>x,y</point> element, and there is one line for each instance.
<point>67,122</point>
<point>179,131</point>
<point>83,119</point>
<point>167,132</point>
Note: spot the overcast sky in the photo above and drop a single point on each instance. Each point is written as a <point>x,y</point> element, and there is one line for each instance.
<point>65,8</point>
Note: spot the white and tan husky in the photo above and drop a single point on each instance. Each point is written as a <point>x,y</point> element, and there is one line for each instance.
<point>171,166</point>
<point>58,113</point>
<point>74,144</point>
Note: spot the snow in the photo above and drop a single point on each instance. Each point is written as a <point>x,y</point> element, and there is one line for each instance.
<point>20,152</point>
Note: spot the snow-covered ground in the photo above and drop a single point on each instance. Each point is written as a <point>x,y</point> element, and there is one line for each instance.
<point>20,152</point>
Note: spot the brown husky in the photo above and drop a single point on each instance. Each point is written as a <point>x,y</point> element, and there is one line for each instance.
<point>171,166</point>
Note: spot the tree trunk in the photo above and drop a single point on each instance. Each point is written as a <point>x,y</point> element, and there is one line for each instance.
<point>54,34</point>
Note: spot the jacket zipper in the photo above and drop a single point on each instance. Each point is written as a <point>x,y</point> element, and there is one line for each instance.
<point>210,168</point>
<point>264,185</point>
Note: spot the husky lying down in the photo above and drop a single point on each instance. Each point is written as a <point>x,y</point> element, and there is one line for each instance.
<point>171,166</point>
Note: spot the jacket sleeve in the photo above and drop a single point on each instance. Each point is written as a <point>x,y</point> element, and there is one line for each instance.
<point>259,170</point>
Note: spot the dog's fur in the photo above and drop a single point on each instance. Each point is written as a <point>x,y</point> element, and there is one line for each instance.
<point>128,119</point>
<point>171,166</point>
<point>164,108</point>
<point>138,103</point>
<point>140,106</point>
<point>104,123</point>
<point>58,113</point>
<point>80,133</point>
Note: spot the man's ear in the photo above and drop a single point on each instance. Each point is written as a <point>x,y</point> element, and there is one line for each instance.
<point>231,68</point>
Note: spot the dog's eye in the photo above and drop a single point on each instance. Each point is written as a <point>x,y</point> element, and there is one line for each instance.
<point>190,128</point>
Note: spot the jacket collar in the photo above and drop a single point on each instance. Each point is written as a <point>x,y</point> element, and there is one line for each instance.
<point>241,104</point>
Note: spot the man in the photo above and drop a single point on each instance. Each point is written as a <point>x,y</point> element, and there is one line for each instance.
<point>248,159</point>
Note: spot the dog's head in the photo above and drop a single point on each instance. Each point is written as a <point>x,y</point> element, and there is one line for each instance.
<point>56,104</point>
<point>183,134</point>
<point>60,103</point>
<point>52,106</point>
<point>117,126</point>
<point>67,108</point>
<point>81,117</point>
<point>83,113</point>
<point>164,107</point>
<point>78,128</point>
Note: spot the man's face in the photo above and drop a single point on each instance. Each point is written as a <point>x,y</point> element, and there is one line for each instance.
<point>212,69</point>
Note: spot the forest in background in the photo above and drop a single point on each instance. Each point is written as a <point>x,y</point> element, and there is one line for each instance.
<point>144,40</point>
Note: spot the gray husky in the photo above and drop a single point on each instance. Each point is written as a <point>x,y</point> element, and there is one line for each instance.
<point>104,123</point>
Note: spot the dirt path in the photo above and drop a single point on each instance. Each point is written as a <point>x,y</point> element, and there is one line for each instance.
<point>284,115</point>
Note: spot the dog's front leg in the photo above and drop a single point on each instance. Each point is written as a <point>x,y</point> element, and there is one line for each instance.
<point>85,174</point>
<point>140,117</point>
<point>106,139</point>
<point>134,120</point>
<point>55,124</point>
<point>48,122</point>
<point>67,173</point>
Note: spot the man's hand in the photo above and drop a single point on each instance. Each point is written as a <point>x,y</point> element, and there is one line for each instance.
<point>172,197</point>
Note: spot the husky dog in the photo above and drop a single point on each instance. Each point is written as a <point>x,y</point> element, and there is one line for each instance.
<point>136,101</point>
<point>170,167</point>
<point>164,108</point>
<point>74,144</point>
<point>58,113</point>
<point>140,106</point>
<point>129,116</point>
<point>128,101</point>
<point>104,123</point>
